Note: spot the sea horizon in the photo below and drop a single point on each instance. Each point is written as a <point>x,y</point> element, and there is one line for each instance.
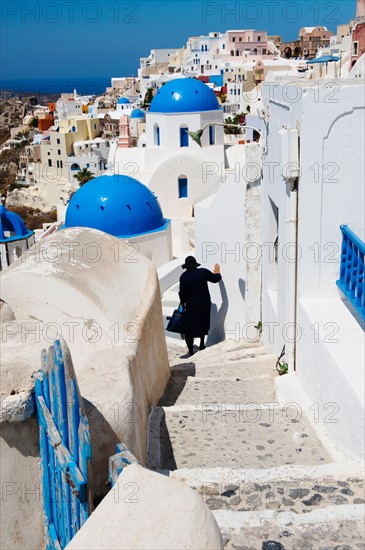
<point>57,85</point>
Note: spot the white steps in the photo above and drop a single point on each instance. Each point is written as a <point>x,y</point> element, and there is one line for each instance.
<point>333,528</point>
<point>259,465</point>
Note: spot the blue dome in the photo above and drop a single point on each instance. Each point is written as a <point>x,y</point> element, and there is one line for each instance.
<point>137,113</point>
<point>12,227</point>
<point>118,205</point>
<point>123,100</point>
<point>184,95</point>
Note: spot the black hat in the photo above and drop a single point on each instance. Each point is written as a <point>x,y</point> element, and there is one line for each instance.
<point>190,261</point>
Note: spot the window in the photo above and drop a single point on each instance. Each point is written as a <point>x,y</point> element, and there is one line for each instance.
<point>58,164</point>
<point>232,53</point>
<point>237,52</point>
<point>211,135</point>
<point>49,162</point>
<point>58,141</point>
<point>240,39</point>
<point>355,48</point>
<point>61,163</point>
<point>94,126</point>
<point>259,39</point>
<point>183,187</point>
<point>58,151</point>
<point>223,46</point>
<point>184,136</point>
<point>233,39</point>
<point>156,130</point>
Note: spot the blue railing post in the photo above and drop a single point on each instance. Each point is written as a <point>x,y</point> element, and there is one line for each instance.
<point>65,448</point>
<point>351,281</point>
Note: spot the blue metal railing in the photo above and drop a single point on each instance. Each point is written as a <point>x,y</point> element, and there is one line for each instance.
<point>351,281</point>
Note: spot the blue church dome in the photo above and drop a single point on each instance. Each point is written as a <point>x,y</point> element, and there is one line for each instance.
<point>184,95</point>
<point>137,113</point>
<point>12,227</point>
<point>118,205</point>
<point>123,100</point>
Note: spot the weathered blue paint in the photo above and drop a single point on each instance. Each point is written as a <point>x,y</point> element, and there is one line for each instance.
<point>119,461</point>
<point>351,281</point>
<point>65,448</point>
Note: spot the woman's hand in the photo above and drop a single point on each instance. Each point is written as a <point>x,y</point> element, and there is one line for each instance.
<point>217,268</point>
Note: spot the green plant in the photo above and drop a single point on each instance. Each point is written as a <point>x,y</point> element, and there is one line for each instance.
<point>258,327</point>
<point>282,368</point>
<point>239,118</point>
<point>148,97</point>
<point>83,176</point>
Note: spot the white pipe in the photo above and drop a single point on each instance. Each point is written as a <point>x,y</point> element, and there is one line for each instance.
<point>291,309</point>
<point>292,234</point>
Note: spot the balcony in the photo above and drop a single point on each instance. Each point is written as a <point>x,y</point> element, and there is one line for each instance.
<point>351,281</point>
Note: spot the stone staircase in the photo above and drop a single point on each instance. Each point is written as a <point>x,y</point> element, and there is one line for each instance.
<point>259,465</point>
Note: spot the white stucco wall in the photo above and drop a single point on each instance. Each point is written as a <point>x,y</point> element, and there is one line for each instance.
<point>329,117</point>
<point>156,246</point>
<point>103,297</point>
<point>227,231</point>
<point>149,510</point>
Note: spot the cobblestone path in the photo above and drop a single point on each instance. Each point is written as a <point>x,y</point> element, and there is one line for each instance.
<point>258,464</point>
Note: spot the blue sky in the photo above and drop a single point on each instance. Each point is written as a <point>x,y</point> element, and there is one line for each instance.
<point>76,38</point>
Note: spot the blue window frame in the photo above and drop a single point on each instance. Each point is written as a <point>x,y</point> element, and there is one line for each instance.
<point>184,137</point>
<point>157,135</point>
<point>183,188</point>
<point>211,135</point>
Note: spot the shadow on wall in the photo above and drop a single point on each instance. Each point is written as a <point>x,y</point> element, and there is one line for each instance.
<point>103,444</point>
<point>217,329</point>
<point>242,287</point>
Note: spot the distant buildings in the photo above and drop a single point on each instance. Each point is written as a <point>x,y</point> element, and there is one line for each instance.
<point>15,238</point>
<point>310,41</point>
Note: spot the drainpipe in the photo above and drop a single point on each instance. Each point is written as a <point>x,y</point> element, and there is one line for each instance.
<point>290,345</point>
<point>292,179</point>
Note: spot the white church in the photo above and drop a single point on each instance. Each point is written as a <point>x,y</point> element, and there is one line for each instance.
<point>168,161</point>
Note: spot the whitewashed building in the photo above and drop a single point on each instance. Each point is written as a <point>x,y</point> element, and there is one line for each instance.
<point>312,185</point>
<point>169,162</point>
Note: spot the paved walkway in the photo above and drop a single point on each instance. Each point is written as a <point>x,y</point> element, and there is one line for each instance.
<point>259,465</point>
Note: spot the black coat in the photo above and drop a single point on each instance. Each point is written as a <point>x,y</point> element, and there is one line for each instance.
<point>194,294</point>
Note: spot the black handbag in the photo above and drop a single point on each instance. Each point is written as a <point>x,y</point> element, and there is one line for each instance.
<point>177,321</point>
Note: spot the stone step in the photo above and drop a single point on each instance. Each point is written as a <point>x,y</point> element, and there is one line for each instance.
<point>170,302</point>
<point>250,367</point>
<point>207,359</point>
<point>199,391</point>
<point>331,528</point>
<point>298,489</point>
<point>250,436</point>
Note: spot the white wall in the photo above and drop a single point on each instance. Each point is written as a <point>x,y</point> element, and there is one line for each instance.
<point>156,246</point>
<point>227,231</point>
<point>176,519</point>
<point>103,297</point>
<point>330,120</point>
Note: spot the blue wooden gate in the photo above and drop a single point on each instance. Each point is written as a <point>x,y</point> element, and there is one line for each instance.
<point>65,449</point>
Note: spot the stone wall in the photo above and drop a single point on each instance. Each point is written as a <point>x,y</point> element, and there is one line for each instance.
<point>80,285</point>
